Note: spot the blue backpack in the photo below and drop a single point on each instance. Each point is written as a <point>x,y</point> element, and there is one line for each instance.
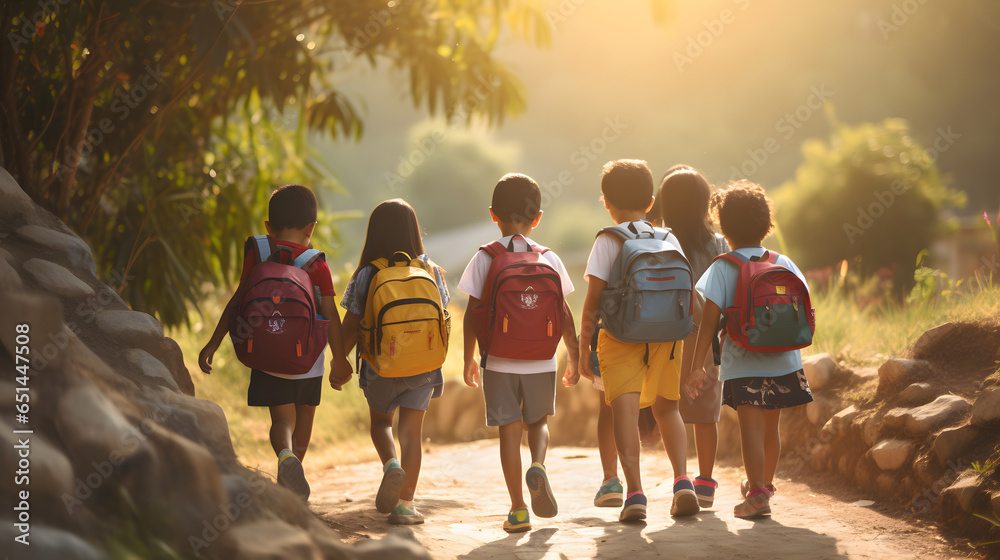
<point>650,295</point>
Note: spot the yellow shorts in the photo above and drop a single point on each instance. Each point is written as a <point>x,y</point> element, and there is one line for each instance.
<point>624,369</point>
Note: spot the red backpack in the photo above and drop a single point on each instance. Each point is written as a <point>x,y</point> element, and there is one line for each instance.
<point>771,309</point>
<point>276,327</point>
<point>521,316</point>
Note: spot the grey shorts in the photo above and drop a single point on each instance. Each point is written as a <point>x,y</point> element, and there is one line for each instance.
<point>512,397</point>
<point>385,394</point>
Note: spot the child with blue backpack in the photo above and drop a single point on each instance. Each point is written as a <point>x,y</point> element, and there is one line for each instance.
<point>768,317</point>
<point>638,372</point>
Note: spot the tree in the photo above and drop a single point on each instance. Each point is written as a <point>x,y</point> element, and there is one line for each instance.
<point>155,129</point>
<point>869,194</point>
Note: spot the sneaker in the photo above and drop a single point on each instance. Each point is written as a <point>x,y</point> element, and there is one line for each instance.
<point>685,499</point>
<point>543,503</point>
<point>291,475</point>
<point>757,504</point>
<point>393,480</point>
<point>635,508</point>
<point>403,515</point>
<point>705,488</point>
<point>517,521</point>
<point>745,486</point>
<point>610,494</point>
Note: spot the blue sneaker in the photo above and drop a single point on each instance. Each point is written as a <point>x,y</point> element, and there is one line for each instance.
<point>705,488</point>
<point>518,521</point>
<point>635,508</point>
<point>685,499</point>
<point>610,494</point>
<point>543,503</point>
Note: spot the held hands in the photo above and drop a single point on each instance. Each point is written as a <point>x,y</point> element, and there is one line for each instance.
<point>695,381</point>
<point>471,373</point>
<point>340,373</point>
<point>572,375</point>
<point>205,357</point>
<point>584,365</point>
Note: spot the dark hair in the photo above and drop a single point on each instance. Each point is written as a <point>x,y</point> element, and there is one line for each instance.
<point>744,212</point>
<point>516,198</point>
<point>683,207</point>
<point>392,227</point>
<point>291,207</point>
<point>627,184</point>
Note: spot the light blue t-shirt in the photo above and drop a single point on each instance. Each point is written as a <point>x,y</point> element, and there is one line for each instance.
<point>718,284</point>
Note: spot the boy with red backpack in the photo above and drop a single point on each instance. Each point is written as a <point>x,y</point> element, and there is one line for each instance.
<point>768,317</point>
<point>517,313</point>
<point>272,320</point>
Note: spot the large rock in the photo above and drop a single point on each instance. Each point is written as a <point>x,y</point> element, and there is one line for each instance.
<point>9,278</point>
<point>208,423</point>
<point>896,418</point>
<point>952,444</point>
<point>819,411</point>
<point>871,430</point>
<point>11,191</point>
<point>986,410</point>
<point>917,394</point>
<point>819,370</point>
<point>936,414</point>
<point>51,473</point>
<point>132,328</point>
<point>47,543</point>
<point>395,545</point>
<point>57,279</point>
<point>269,540</point>
<point>151,368</point>
<point>96,433</point>
<point>967,492</point>
<point>841,422</point>
<point>74,249</point>
<point>43,314</point>
<point>173,358</point>
<point>895,374</point>
<point>924,345</point>
<point>891,454</point>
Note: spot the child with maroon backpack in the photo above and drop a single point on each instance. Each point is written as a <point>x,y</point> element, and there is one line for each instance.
<point>291,391</point>
<point>517,314</point>
<point>761,366</point>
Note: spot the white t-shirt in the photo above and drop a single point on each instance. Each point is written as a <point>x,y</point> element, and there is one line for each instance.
<point>472,283</point>
<point>606,249</point>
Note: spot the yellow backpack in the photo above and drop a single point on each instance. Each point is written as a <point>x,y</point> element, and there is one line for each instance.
<point>405,328</point>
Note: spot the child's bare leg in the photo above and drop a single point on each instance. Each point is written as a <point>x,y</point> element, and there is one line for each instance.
<point>753,424</point>
<point>706,441</point>
<point>606,439</point>
<point>381,432</point>
<point>772,444</point>
<point>538,439</point>
<point>304,416</point>
<point>668,417</point>
<point>626,420</point>
<point>282,426</point>
<point>510,460</point>
<point>411,423</point>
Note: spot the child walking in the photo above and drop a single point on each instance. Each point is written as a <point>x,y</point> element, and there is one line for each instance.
<point>634,375</point>
<point>291,399</point>
<point>393,227</point>
<point>519,391</point>
<point>758,385</point>
<point>683,207</point>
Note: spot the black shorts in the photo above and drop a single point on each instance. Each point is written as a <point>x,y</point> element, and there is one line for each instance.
<point>772,393</point>
<point>268,390</point>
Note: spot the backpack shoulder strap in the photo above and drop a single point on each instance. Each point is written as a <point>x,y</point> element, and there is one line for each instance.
<point>380,264</point>
<point>770,256</point>
<point>733,257</point>
<point>308,258</point>
<point>494,249</point>
<point>619,231</point>
<point>261,245</point>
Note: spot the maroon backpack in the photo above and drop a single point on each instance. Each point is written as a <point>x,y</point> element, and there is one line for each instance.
<point>276,326</point>
<point>521,316</point>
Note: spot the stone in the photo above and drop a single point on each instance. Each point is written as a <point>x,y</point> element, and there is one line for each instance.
<point>819,411</point>
<point>862,375</point>
<point>863,473</point>
<point>51,473</point>
<point>243,493</point>
<point>840,423</point>
<point>94,431</point>
<point>10,188</point>
<point>132,328</point>
<point>953,443</point>
<point>57,279</point>
<point>211,427</point>
<point>871,431</point>
<point>76,251</point>
<point>967,492</point>
<point>894,374</point>
<point>398,545</point>
<point>173,358</point>
<point>47,542</point>
<point>986,410</point>
<point>151,368</point>
<point>43,314</point>
<point>886,483</point>
<point>269,539</point>
<point>820,457</point>
<point>896,418</point>
<point>9,278</point>
<point>916,394</point>
<point>936,414</point>
<point>890,454</point>
<point>924,345</point>
<point>819,370</point>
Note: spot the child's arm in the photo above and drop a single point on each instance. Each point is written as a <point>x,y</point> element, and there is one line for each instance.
<point>471,372</point>
<point>588,322</point>
<point>572,375</point>
<point>350,329</point>
<point>691,340</point>
<point>709,326</point>
<point>205,357</point>
<point>340,367</point>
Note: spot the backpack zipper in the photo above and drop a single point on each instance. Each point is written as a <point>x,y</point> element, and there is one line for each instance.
<point>378,323</point>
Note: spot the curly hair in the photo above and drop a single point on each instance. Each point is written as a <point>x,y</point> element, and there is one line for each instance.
<point>743,211</point>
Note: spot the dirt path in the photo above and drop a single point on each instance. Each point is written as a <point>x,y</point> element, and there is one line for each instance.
<point>464,500</point>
